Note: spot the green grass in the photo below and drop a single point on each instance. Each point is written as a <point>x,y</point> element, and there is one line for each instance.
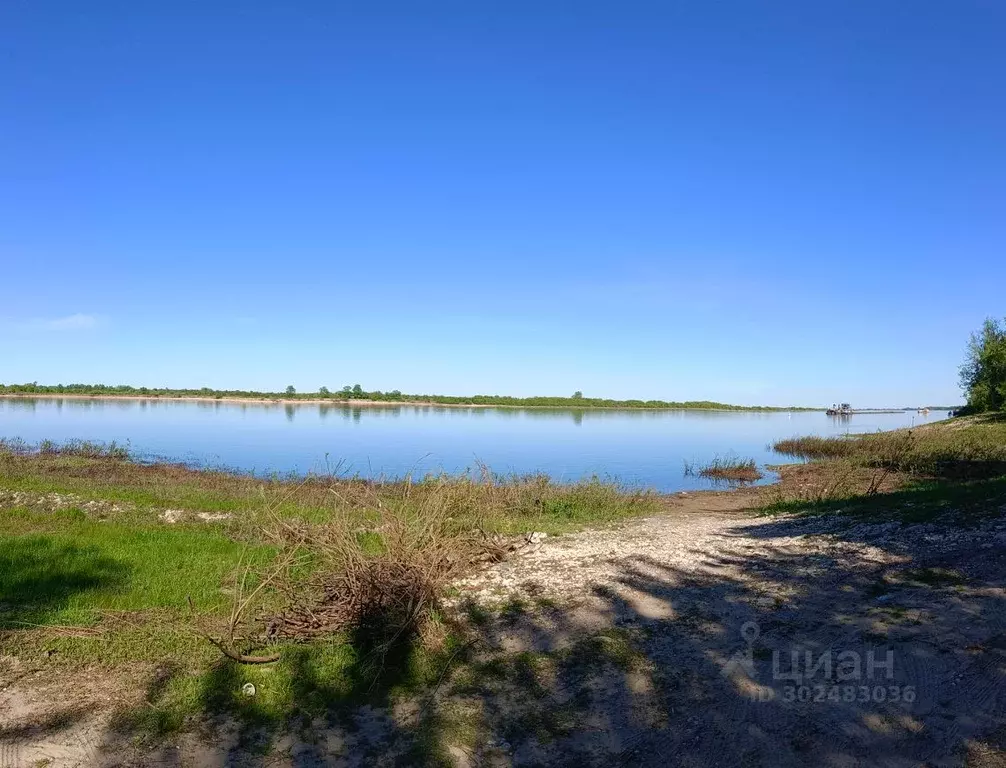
<point>327,679</point>
<point>319,680</point>
<point>500,504</point>
<point>64,568</point>
<point>968,502</point>
<point>66,560</point>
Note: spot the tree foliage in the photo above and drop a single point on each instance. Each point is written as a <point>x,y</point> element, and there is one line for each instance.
<point>983,374</point>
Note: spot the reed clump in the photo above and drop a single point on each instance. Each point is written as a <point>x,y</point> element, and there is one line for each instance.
<point>79,448</point>
<point>730,469</point>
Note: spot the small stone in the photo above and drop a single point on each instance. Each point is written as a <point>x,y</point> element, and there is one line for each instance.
<point>248,689</point>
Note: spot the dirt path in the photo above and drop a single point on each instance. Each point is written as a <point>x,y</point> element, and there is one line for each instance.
<point>783,642</point>
<point>680,640</point>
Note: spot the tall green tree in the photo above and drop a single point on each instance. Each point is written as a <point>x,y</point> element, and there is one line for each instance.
<point>983,374</point>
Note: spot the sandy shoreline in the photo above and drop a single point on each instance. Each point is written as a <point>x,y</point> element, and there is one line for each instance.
<point>385,403</point>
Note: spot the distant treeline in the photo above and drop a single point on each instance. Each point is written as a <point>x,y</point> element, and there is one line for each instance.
<point>356,392</point>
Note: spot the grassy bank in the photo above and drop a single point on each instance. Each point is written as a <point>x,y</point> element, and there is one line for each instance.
<point>954,466</point>
<point>967,448</point>
<point>153,570</point>
<point>358,394</point>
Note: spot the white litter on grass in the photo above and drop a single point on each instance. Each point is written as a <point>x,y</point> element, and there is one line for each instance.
<point>209,517</point>
<point>177,515</point>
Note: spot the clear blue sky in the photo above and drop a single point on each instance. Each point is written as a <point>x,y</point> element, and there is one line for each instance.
<point>771,202</point>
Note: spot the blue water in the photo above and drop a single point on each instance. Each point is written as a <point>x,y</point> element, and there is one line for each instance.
<point>640,448</point>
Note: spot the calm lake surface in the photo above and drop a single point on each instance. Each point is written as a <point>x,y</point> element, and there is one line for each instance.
<point>636,447</point>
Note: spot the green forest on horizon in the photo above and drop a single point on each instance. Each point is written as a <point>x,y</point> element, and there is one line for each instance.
<point>356,392</point>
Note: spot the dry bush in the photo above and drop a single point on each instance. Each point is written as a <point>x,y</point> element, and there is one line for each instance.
<point>372,562</point>
<point>380,566</point>
<point>380,579</point>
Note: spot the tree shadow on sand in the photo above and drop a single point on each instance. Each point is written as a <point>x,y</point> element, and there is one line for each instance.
<point>884,643</point>
<point>332,702</point>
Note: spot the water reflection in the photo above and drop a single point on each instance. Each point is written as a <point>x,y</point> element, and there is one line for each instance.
<point>378,411</point>
<point>641,447</point>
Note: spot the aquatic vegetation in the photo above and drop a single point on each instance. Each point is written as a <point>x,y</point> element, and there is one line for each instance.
<point>731,469</point>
